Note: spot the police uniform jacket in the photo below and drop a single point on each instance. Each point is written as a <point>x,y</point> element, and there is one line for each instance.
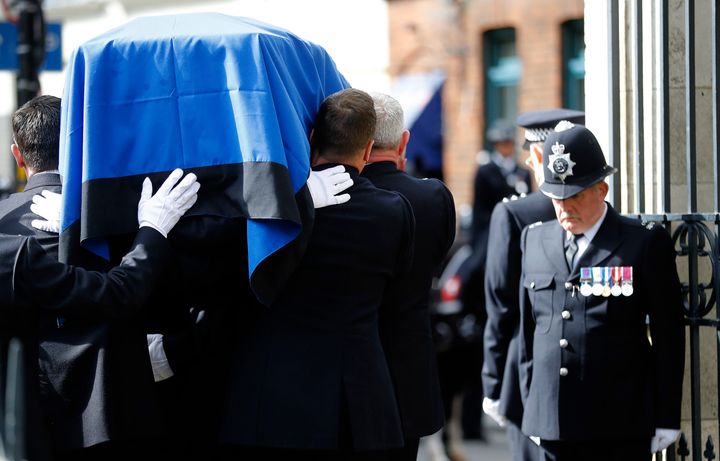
<point>490,187</point>
<point>588,368</point>
<point>502,280</point>
<point>310,372</point>
<point>406,334</point>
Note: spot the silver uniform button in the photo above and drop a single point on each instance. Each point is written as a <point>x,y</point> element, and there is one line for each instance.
<point>563,371</point>
<point>565,315</point>
<point>532,285</point>
<point>563,343</point>
<point>568,286</point>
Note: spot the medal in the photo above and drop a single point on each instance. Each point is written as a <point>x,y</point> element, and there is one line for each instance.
<point>627,280</point>
<point>597,275</point>
<point>606,281</point>
<point>616,289</point>
<point>585,281</point>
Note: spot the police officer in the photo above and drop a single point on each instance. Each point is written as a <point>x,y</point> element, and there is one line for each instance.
<point>596,382</point>
<point>501,388</point>
<point>499,178</point>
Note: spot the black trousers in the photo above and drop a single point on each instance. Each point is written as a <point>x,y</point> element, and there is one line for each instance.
<point>407,453</point>
<point>241,453</point>
<point>521,447</point>
<point>597,450</point>
<point>136,450</point>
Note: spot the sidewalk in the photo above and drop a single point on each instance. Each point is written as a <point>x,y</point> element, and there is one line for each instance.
<point>494,449</point>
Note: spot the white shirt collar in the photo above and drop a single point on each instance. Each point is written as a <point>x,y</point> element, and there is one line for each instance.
<point>584,242</point>
<point>507,164</point>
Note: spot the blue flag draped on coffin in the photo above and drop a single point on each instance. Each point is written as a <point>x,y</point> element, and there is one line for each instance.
<point>229,98</point>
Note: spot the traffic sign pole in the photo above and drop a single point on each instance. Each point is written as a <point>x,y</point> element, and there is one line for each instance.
<point>30,49</point>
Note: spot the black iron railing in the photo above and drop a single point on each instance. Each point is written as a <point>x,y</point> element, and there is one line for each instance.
<point>695,234</point>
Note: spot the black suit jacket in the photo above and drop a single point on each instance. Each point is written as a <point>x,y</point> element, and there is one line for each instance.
<point>502,282</point>
<point>37,279</point>
<point>310,372</point>
<point>616,385</point>
<point>15,219</point>
<point>406,334</point>
<point>15,214</point>
<point>35,283</point>
<point>95,378</point>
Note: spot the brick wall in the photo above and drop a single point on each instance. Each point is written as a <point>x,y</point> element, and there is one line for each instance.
<point>443,34</point>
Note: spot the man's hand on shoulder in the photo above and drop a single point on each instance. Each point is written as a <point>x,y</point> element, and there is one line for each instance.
<point>47,205</point>
<point>326,184</point>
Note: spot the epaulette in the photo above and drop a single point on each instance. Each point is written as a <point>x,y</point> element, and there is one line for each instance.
<point>513,197</point>
<point>649,224</point>
<point>535,224</point>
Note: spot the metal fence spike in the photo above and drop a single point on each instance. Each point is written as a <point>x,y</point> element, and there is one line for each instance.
<point>709,452</point>
<point>682,449</point>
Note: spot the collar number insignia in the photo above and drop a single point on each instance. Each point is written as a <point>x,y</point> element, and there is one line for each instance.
<point>559,162</point>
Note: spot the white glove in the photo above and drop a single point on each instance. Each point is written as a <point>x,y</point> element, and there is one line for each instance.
<point>160,366</point>
<point>491,408</point>
<point>325,184</point>
<point>663,438</point>
<point>164,209</point>
<point>47,205</point>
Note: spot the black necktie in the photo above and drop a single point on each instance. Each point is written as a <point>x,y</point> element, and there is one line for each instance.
<point>572,250</point>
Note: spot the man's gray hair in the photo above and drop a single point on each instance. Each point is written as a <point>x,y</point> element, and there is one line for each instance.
<point>390,121</point>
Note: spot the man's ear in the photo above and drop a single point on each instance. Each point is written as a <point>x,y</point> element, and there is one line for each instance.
<point>17,155</point>
<point>536,152</point>
<point>604,188</point>
<point>402,146</point>
<point>313,155</point>
<point>368,150</point>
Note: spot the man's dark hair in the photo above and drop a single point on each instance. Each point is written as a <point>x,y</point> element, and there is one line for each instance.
<point>36,130</point>
<point>344,124</point>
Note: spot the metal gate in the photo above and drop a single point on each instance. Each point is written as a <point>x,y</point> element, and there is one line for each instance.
<point>694,232</point>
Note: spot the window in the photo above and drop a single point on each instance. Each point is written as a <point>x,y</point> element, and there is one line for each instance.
<point>502,76</point>
<point>573,58</point>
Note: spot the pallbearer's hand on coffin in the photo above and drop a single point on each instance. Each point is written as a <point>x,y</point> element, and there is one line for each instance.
<point>164,209</point>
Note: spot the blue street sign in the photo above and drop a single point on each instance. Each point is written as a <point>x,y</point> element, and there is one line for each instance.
<point>8,45</point>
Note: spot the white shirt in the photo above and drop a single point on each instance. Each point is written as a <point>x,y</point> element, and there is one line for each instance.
<point>46,172</point>
<point>506,164</point>
<point>584,241</point>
